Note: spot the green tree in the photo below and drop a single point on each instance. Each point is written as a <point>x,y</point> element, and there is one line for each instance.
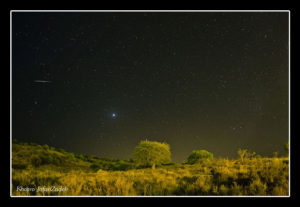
<point>198,155</point>
<point>243,154</point>
<point>287,148</point>
<point>149,153</point>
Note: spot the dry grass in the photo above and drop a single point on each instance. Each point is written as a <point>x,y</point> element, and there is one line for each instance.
<point>265,176</point>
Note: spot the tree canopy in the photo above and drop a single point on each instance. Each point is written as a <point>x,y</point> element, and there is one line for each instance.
<point>198,155</point>
<point>286,148</point>
<point>149,153</point>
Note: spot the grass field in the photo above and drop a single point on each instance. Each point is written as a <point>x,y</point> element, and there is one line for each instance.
<point>43,170</point>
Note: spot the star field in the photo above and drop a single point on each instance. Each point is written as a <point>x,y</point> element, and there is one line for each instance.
<point>214,81</point>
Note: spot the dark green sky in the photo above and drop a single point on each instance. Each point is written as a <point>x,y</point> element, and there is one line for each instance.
<point>214,81</point>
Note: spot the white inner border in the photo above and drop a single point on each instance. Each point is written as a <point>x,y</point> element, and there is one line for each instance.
<point>169,11</point>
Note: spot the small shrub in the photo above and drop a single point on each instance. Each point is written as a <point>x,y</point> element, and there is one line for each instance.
<point>61,150</point>
<point>46,147</point>
<point>95,167</point>
<point>71,156</point>
<point>19,166</point>
<point>36,161</point>
<point>198,155</point>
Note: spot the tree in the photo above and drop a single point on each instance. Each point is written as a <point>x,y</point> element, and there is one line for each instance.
<point>242,154</point>
<point>275,154</point>
<point>149,153</point>
<point>258,156</point>
<point>245,154</point>
<point>287,148</point>
<point>198,155</point>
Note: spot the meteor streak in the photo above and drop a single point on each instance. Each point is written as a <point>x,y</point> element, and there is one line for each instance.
<point>42,81</point>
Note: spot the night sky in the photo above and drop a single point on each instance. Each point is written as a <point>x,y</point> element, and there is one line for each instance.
<point>99,83</point>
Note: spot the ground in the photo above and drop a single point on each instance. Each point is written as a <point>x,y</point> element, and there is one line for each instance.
<point>43,170</point>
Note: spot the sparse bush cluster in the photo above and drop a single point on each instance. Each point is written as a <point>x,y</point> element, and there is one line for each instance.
<point>44,159</point>
<point>119,165</point>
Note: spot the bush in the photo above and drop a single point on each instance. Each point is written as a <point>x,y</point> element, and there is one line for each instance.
<point>46,159</point>
<point>61,150</point>
<point>57,160</point>
<point>245,154</point>
<point>198,155</point>
<point>19,166</point>
<point>36,161</point>
<point>95,167</point>
<point>80,156</point>
<point>52,148</point>
<point>71,156</point>
<point>258,156</point>
<point>46,147</point>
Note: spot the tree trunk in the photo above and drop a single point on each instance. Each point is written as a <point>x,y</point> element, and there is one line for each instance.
<point>153,167</point>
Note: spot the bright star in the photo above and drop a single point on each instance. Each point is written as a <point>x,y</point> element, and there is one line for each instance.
<point>114,115</point>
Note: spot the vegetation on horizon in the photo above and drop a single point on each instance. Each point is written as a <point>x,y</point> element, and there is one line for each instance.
<point>149,153</point>
<point>198,156</point>
<point>148,173</point>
